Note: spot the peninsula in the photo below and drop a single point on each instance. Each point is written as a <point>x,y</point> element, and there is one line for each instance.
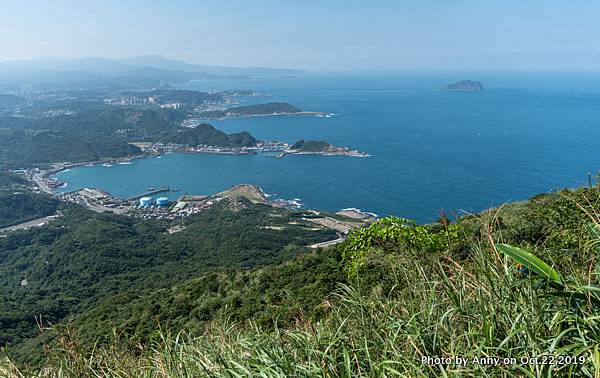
<point>313,147</point>
<point>204,138</point>
<point>464,86</point>
<point>205,134</point>
<point>259,110</point>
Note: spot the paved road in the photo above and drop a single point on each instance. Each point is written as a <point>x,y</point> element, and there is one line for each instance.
<point>327,243</point>
<point>32,223</point>
<point>41,184</point>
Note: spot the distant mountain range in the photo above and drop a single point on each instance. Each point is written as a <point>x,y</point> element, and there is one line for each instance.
<point>134,69</point>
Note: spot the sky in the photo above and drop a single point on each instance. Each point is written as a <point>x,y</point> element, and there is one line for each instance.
<point>312,34</point>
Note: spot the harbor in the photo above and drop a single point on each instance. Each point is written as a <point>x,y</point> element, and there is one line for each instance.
<point>151,192</point>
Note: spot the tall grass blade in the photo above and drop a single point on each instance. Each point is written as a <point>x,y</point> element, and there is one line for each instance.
<point>530,261</point>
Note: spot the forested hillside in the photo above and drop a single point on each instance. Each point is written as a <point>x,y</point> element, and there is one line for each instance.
<point>18,204</point>
<point>205,134</point>
<point>83,257</point>
<point>100,133</point>
<point>22,207</point>
<point>393,293</point>
<point>24,148</point>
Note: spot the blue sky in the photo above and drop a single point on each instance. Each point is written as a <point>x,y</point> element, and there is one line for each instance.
<point>370,35</point>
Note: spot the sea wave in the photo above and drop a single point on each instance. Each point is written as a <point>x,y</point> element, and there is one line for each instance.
<point>360,211</point>
<point>295,203</point>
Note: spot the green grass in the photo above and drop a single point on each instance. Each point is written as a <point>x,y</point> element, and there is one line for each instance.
<point>412,295</point>
<point>449,310</point>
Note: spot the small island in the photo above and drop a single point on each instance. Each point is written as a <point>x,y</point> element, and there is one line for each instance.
<point>313,147</point>
<point>465,86</point>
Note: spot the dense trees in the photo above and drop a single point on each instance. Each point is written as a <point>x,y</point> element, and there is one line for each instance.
<point>310,146</point>
<point>104,132</point>
<point>269,108</point>
<point>84,257</point>
<point>18,204</point>
<point>19,207</point>
<point>104,272</point>
<point>205,134</point>
<point>83,136</point>
<point>23,148</point>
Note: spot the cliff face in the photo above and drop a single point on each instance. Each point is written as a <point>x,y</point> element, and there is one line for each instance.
<point>465,86</point>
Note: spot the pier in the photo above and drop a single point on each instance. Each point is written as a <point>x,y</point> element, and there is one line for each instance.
<point>150,193</point>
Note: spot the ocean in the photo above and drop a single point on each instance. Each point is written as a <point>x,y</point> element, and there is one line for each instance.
<point>524,134</point>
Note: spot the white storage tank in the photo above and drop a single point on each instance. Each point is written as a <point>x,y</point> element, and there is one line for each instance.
<point>145,201</point>
<point>162,201</point>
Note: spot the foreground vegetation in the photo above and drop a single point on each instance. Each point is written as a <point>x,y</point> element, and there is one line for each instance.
<point>378,305</point>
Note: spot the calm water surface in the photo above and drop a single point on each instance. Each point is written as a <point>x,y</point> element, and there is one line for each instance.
<point>524,134</point>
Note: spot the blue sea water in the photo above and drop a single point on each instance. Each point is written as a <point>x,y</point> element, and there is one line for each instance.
<point>524,134</point>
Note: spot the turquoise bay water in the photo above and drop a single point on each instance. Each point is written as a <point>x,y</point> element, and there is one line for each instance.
<point>524,134</point>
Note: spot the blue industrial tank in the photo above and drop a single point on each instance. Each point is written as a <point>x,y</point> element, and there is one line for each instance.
<point>162,201</point>
<point>145,201</point>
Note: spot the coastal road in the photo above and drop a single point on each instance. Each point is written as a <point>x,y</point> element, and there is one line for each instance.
<point>39,179</point>
<point>29,224</point>
<point>327,243</point>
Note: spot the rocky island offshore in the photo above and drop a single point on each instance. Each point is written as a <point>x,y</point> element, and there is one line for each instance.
<point>464,86</point>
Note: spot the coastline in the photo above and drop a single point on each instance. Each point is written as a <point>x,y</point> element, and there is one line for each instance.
<point>349,153</point>
<point>276,114</point>
<point>46,181</point>
<point>47,184</point>
<point>98,200</point>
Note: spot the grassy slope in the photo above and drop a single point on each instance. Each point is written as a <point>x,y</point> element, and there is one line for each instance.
<point>407,298</point>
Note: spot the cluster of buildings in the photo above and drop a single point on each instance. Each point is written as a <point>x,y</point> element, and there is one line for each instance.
<point>162,208</point>
<point>171,105</point>
<point>128,100</point>
<point>134,100</point>
<point>97,200</point>
<point>208,106</point>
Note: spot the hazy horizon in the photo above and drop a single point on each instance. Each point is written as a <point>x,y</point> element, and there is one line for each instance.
<point>311,35</point>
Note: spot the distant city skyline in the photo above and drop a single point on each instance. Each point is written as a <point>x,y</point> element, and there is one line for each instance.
<point>310,34</point>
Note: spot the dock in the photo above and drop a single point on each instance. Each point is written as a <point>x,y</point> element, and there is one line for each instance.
<point>162,189</point>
